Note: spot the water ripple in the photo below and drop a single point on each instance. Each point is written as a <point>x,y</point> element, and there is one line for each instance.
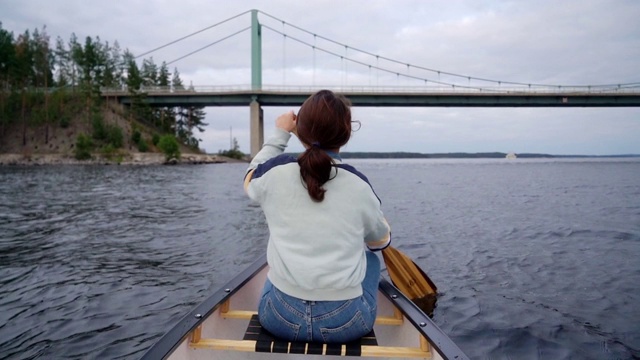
<point>533,260</point>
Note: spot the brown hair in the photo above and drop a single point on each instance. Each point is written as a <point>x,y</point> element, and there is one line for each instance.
<point>323,123</point>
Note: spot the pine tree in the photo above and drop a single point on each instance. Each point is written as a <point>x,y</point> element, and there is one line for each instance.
<point>43,77</point>
<point>74,58</point>
<point>134,79</point>
<point>163,75</point>
<point>196,122</point>
<point>7,62</point>
<point>23,74</point>
<point>30,68</point>
<point>7,57</point>
<point>181,113</point>
<point>167,115</point>
<point>119,64</point>
<point>110,67</point>
<point>62,64</point>
<point>149,72</point>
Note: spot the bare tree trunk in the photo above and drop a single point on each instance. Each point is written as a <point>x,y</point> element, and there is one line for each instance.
<point>2,110</point>
<point>88,110</point>
<point>24,119</point>
<point>46,110</point>
<point>189,126</point>
<point>62,116</point>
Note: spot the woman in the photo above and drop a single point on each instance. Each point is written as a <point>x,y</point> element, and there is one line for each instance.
<point>322,216</point>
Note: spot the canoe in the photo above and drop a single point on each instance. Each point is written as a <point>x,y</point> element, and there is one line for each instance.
<point>225,326</point>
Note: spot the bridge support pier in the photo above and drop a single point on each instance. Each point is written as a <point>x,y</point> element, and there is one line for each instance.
<point>257,127</point>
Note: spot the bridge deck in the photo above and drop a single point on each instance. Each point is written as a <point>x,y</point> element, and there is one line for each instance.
<point>398,98</point>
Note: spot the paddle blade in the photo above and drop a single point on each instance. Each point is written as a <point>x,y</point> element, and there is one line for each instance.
<point>407,276</point>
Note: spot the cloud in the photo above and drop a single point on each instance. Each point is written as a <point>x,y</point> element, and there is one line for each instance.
<point>568,42</point>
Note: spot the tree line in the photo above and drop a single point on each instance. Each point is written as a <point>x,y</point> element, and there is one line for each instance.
<point>45,85</point>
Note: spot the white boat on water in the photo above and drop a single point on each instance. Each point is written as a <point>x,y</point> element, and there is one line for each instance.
<point>511,156</point>
<point>225,326</point>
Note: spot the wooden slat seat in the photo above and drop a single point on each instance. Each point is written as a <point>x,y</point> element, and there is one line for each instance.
<point>266,342</point>
<point>366,351</point>
<point>257,339</point>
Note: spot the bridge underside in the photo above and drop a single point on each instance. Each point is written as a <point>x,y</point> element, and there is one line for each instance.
<point>265,98</point>
<point>256,99</point>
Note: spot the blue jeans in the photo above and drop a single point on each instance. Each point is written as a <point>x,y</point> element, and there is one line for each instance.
<point>293,319</point>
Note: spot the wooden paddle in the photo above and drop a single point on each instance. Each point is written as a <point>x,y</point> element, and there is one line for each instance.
<point>410,279</point>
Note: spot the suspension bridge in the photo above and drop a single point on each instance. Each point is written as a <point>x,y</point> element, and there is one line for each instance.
<point>427,87</point>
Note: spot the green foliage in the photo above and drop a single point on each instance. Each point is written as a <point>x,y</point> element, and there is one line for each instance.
<point>83,147</point>
<point>136,136</point>
<point>134,79</point>
<point>108,150</point>
<point>187,120</point>
<point>142,146</point>
<point>155,139</point>
<point>111,134</point>
<point>99,129</point>
<point>54,82</point>
<point>115,137</point>
<point>64,121</point>
<point>163,76</point>
<point>111,153</point>
<point>234,152</point>
<point>169,146</point>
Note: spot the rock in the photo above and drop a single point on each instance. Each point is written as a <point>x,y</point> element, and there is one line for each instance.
<point>100,159</point>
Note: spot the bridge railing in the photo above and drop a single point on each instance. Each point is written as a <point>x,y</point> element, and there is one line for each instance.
<point>355,89</point>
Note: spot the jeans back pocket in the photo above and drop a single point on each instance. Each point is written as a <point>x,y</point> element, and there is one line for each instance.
<point>275,321</point>
<point>353,329</point>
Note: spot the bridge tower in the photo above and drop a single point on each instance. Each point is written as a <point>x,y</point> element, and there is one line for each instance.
<point>257,118</point>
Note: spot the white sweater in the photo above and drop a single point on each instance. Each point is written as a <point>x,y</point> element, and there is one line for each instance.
<point>316,251</point>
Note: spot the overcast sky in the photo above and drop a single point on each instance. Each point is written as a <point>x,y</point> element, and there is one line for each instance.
<point>569,42</point>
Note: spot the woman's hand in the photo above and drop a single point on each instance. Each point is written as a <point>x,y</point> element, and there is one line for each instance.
<point>287,122</point>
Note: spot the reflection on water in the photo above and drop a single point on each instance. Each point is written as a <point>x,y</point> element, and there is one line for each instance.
<point>92,258</point>
<point>532,259</point>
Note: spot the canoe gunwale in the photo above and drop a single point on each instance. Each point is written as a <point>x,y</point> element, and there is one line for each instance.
<point>172,339</point>
<point>177,334</point>
<point>434,335</point>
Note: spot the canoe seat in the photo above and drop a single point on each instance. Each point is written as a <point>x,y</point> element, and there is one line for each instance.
<point>257,339</point>
<point>265,342</point>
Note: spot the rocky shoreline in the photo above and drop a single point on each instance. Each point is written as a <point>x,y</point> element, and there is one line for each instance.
<point>127,159</point>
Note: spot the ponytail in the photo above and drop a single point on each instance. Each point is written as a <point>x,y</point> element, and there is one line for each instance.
<point>324,124</point>
<point>315,170</point>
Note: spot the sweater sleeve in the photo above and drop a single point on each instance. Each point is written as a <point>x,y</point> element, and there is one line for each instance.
<point>378,232</point>
<point>273,147</point>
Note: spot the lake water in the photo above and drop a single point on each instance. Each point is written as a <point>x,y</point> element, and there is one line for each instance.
<point>533,258</point>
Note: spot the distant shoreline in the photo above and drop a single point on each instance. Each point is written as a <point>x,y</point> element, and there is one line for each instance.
<point>126,159</point>
<point>461,155</point>
<point>158,159</point>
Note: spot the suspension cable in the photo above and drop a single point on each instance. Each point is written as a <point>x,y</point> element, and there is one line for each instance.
<point>284,57</point>
<point>211,44</point>
<point>439,71</point>
<point>408,76</point>
<point>190,35</point>
<point>346,66</point>
<point>362,63</point>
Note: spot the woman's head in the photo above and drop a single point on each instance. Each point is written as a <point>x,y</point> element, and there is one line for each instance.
<point>324,120</point>
<point>323,123</point>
